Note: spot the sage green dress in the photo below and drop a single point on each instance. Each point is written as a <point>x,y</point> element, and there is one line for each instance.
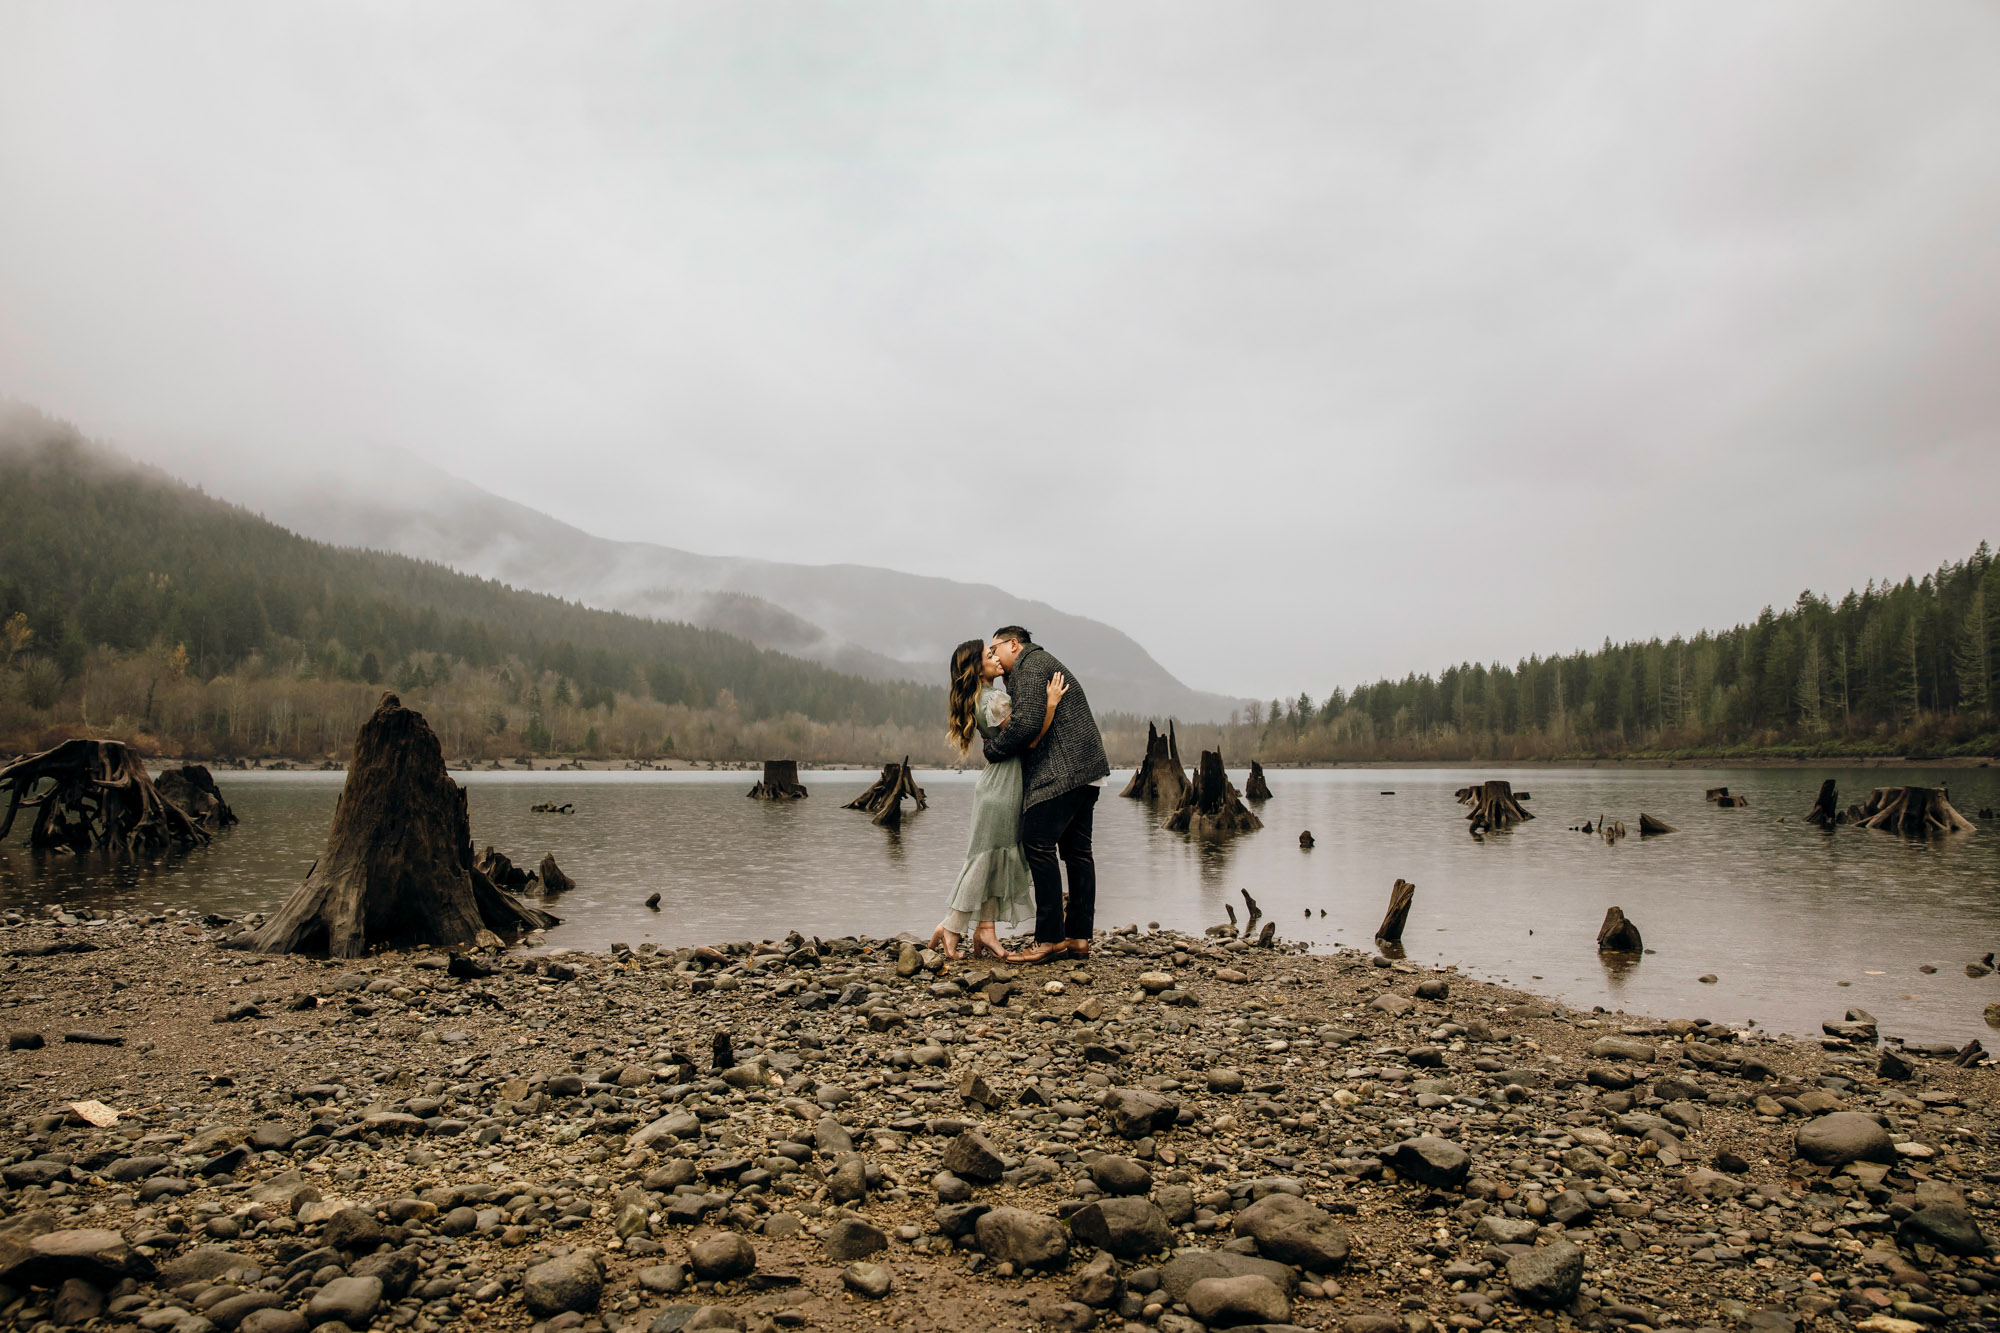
<point>995,884</point>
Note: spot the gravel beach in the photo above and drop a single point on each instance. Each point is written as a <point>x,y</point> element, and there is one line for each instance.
<point>1181,1133</point>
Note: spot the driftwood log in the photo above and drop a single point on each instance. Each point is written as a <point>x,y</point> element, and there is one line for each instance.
<point>193,789</point>
<point>553,878</point>
<point>1913,811</point>
<point>884,797</point>
<point>1400,898</point>
<point>1717,793</point>
<point>1255,788</point>
<point>1648,826</point>
<point>93,794</point>
<point>1826,808</point>
<point>781,782</point>
<point>1617,935</point>
<point>1160,776</point>
<point>1494,805</point>
<point>1211,803</point>
<point>397,870</point>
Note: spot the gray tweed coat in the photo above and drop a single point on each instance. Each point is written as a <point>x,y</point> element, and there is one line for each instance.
<point>1072,754</point>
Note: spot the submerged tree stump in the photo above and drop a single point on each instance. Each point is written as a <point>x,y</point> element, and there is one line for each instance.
<point>781,782</point>
<point>553,878</point>
<point>1160,776</point>
<point>93,794</point>
<point>1826,809</point>
<point>193,789</point>
<point>398,869</point>
<point>1913,811</point>
<point>884,798</point>
<point>1494,805</point>
<point>1617,935</point>
<point>1717,793</point>
<point>1255,788</point>
<point>1400,898</point>
<point>1211,803</point>
<point>1306,841</point>
<point>505,875</point>
<point>1648,826</point>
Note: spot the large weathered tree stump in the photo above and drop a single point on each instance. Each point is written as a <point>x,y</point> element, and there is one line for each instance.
<point>884,797</point>
<point>1211,803</point>
<point>397,870</point>
<point>1494,805</point>
<point>1400,898</point>
<point>1648,826</point>
<point>781,782</point>
<point>1913,811</point>
<point>1826,808</point>
<point>1617,935</point>
<point>193,789</point>
<point>1255,788</point>
<point>1160,776</point>
<point>93,794</point>
<point>553,878</point>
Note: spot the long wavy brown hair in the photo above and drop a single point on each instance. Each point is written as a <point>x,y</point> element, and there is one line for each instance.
<point>965,660</point>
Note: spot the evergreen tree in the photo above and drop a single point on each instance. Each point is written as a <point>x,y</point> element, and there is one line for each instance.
<point>1971,662</point>
<point>1808,692</point>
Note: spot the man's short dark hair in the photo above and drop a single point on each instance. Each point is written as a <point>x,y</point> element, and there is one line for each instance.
<point>1014,632</point>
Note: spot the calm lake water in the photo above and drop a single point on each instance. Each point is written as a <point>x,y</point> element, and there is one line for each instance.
<point>1780,912</point>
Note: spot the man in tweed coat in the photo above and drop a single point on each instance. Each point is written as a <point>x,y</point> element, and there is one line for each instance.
<point>1058,801</point>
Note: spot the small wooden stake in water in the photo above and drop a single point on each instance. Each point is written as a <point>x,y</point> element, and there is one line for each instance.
<point>1400,899</point>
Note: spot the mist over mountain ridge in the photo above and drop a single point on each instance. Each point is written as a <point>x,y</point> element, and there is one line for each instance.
<point>878,623</point>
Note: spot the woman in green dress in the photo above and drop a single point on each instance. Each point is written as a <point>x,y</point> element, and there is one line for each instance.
<point>995,885</point>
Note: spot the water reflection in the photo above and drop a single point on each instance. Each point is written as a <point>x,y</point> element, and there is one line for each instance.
<point>1776,909</point>
<point>1618,969</point>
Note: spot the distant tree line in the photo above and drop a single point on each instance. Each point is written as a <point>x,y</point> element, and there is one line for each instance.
<point>1909,667</point>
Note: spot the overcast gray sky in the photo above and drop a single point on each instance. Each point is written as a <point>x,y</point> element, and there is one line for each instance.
<point>1305,342</point>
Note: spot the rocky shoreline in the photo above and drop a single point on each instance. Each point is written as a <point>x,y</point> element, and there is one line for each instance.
<point>1182,1133</point>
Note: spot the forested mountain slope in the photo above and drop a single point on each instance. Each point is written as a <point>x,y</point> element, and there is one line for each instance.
<point>101,556</point>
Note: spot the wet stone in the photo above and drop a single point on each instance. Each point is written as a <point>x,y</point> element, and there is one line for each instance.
<point>1021,1238</point>
<point>1121,1175</point>
<point>1843,1137</point>
<point>1126,1227</point>
<point>1549,1276</point>
<point>1292,1231</point>
<point>568,1282</point>
<point>1431,1161</point>
<point>851,1238</point>
<point>722,1257</point>
<point>971,1157</point>
<point>869,1281</point>
<point>349,1300</point>
<point>1228,1301</point>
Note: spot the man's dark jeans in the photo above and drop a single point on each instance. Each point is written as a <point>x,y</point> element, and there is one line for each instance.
<point>1060,826</point>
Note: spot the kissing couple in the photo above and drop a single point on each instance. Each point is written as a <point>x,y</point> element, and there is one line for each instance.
<point>1034,804</point>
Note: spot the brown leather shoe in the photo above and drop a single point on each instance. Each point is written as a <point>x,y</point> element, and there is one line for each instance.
<point>1078,949</point>
<point>1041,953</point>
